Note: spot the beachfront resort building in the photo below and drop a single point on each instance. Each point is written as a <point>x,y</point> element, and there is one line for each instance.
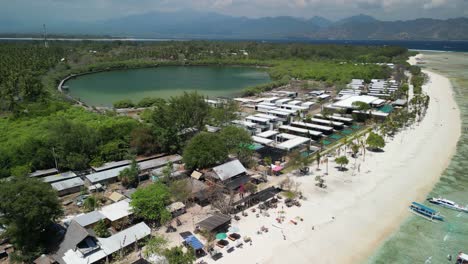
<point>80,246</point>
<point>231,174</point>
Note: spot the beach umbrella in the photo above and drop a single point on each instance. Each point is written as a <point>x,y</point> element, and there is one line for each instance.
<point>233,229</point>
<point>221,236</point>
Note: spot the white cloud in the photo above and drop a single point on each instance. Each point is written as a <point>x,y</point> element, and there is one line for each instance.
<point>334,9</point>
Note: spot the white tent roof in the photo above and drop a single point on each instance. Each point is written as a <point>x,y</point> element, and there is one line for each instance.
<point>269,117</point>
<point>292,143</point>
<point>313,126</point>
<point>286,136</point>
<point>295,129</point>
<point>338,118</point>
<point>295,102</point>
<point>348,102</point>
<point>267,133</point>
<point>260,140</point>
<point>277,112</point>
<point>117,210</point>
<point>282,101</point>
<point>257,119</point>
<point>328,122</point>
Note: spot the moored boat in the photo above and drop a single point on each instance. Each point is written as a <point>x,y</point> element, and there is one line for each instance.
<point>462,258</point>
<point>425,211</point>
<point>448,204</point>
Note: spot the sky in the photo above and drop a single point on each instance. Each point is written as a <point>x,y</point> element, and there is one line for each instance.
<point>94,10</point>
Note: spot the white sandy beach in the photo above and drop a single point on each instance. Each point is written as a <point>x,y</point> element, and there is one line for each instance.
<point>367,206</point>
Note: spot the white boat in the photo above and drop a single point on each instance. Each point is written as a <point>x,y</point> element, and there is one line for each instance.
<point>462,258</point>
<point>448,204</point>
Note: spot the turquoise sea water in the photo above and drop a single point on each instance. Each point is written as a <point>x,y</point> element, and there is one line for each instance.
<point>105,88</point>
<point>421,241</point>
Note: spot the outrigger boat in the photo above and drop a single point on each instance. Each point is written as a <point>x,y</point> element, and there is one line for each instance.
<point>462,258</point>
<point>426,212</point>
<point>448,204</point>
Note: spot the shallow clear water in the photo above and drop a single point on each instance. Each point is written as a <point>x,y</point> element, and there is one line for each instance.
<point>418,240</point>
<point>102,89</point>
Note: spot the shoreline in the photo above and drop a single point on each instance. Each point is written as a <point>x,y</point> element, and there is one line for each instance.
<point>350,220</point>
<point>69,77</point>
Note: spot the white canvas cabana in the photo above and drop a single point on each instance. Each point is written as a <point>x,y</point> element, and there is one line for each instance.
<point>294,107</point>
<point>295,102</point>
<point>272,118</point>
<point>267,134</point>
<point>282,101</point>
<point>293,143</point>
<point>327,122</point>
<point>308,104</point>
<point>313,126</point>
<point>285,136</point>
<point>255,119</point>
<point>348,102</point>
<point>265,108</point>
<point>261,140</point>
<point>337,118</point>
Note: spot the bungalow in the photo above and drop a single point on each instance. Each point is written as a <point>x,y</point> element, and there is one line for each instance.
<point>81,247</point>
<point>146,166</point>
<point>232,174</point>
<point>116,214</point>
<point>69,186</point>
<point>176,209</point>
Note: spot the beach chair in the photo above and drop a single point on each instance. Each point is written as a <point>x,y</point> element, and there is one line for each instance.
<point>234,236</point>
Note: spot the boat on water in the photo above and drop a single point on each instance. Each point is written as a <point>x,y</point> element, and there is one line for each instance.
<point>426,212</point>
<point>462,258</point>
<point>448,204</point>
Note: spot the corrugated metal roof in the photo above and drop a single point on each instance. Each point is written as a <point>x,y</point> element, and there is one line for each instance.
<point>105,175</point>
<point>89,218</point>
<point>40,173</point>
<point>112,165</point>
<point>67,184</point>
<point>229,169</point>
<point>59,177</point>
<point>159,162</point>
<point>175,206</point>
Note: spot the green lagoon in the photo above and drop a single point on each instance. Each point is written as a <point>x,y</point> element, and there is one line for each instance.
<point>105,88</point>
<point>421,241</point>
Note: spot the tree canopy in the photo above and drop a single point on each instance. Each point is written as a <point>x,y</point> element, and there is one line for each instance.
<point>342,161</point>
<point>205,150</point>
<point>150,203</point>
<point>375,141</point>
<point>28,208</point>
<point>176,255</point>
<point>129,176</point>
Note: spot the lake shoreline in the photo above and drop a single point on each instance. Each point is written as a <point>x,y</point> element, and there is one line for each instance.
<point>151,83</point>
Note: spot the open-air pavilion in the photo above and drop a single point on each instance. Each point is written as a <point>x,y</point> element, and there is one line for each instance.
<point>214,222</point>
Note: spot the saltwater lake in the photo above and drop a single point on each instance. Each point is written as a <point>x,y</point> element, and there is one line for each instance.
<point>105,88</point>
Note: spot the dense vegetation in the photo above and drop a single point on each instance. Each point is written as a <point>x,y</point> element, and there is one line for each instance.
<point>28,210</point>
<point>41,130</point>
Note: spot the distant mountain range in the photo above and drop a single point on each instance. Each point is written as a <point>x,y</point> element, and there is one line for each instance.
<point>192,24</point>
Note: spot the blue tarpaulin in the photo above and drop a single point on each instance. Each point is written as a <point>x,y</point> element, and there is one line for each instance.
<point>194,242</point>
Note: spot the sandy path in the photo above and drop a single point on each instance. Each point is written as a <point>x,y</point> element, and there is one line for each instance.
<point>367,206</point>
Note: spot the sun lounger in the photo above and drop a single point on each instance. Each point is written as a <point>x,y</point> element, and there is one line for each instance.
<point>234,236</point>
